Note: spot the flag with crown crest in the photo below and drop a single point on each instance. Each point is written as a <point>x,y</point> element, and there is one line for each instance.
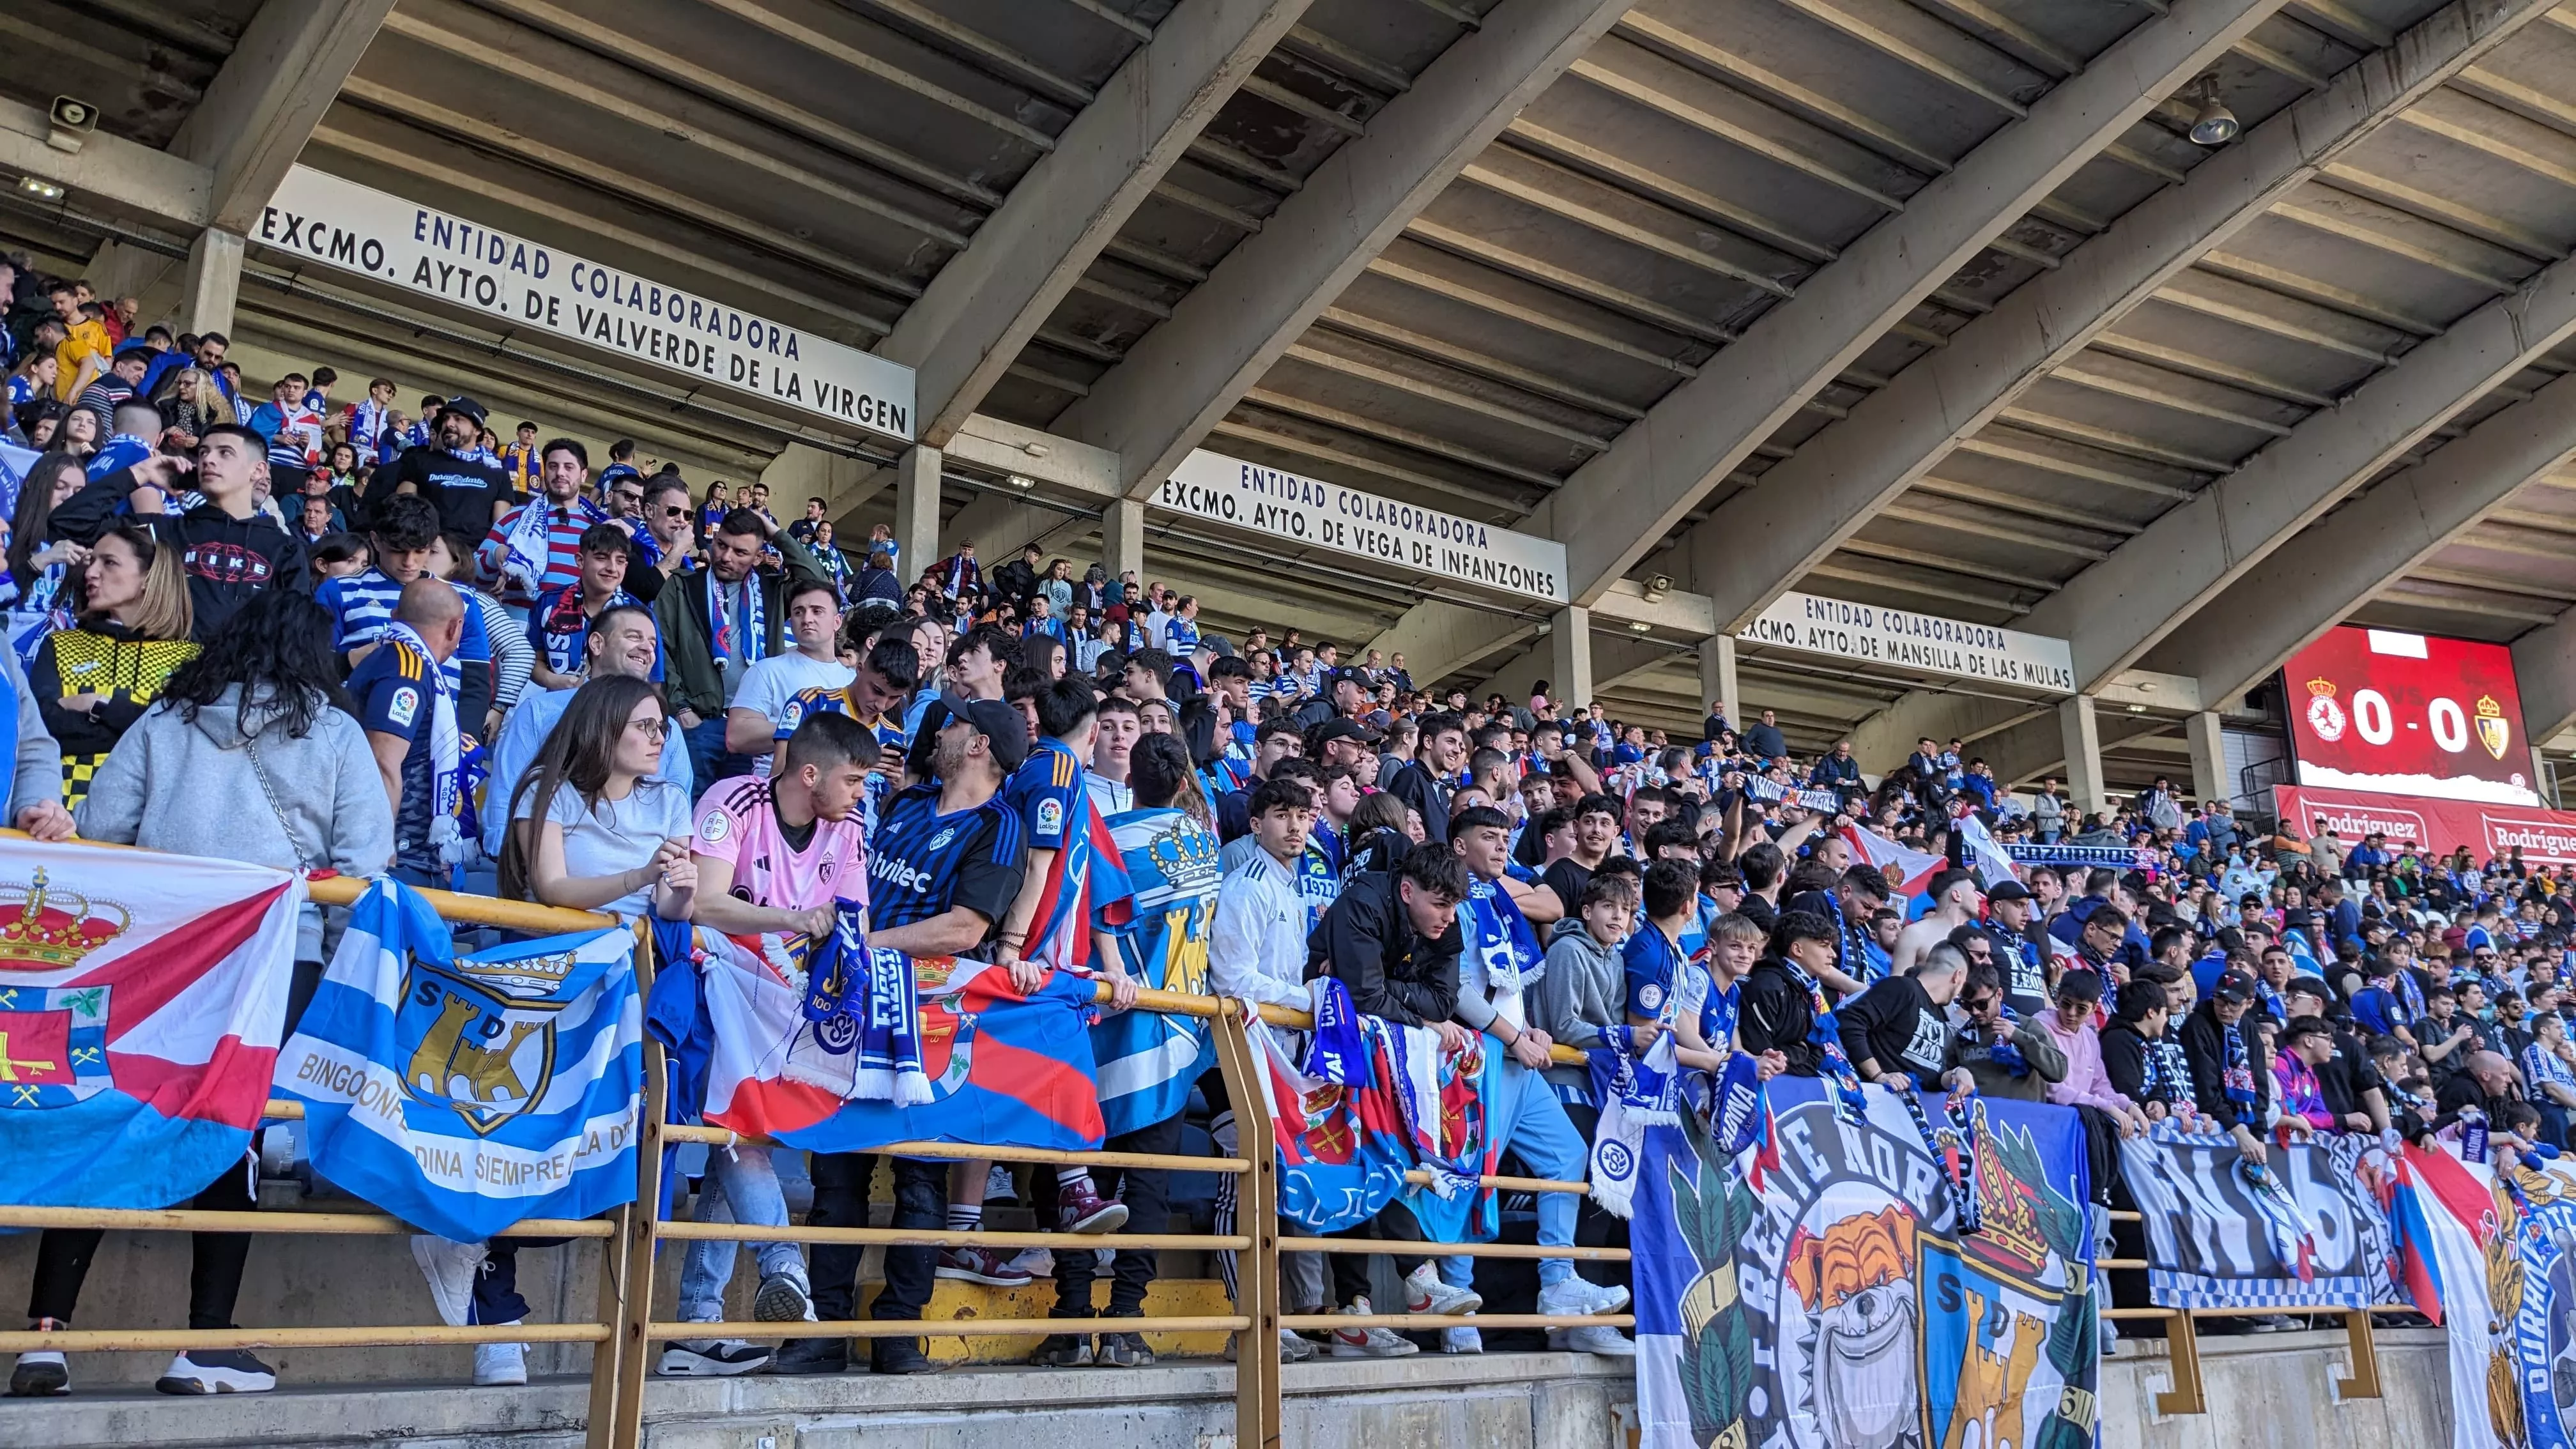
<point>141,998</point>
<point>464,1093</point>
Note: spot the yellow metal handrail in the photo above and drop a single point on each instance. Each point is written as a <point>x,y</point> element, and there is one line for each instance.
<point>328,890</point>
<point>626,1329</point>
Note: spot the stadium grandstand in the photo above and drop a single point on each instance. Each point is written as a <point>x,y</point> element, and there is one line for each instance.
<point>1539,723</point>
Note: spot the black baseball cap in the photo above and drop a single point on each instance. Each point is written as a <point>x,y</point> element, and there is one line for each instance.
<point>995,721</point>
<point>2235,986</point>
<point>1340,729</point>
<point>2011,890</point>
<point>469,407</point>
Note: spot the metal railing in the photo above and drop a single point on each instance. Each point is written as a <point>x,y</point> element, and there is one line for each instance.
<point>338,891</point>
<point>625,1330</point>
<point>1256,1321</point>
<point>1257,1400</point>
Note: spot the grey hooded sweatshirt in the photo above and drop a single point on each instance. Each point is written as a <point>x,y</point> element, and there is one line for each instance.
<point>1582,990</point>
<point>189,786</point>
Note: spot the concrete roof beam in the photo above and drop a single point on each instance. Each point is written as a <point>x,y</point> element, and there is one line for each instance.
<point>1183,376</point>
<point>1631,497</point>
<point>987,303</point>
<point>2292,597</point>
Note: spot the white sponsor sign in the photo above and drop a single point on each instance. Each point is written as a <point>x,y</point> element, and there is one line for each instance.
<point>1309,511</point>
<point>378,235</point>
<point>1868,634</point>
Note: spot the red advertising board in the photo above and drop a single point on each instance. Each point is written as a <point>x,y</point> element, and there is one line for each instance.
<point>2434,826</point>
<point>2408,714</point>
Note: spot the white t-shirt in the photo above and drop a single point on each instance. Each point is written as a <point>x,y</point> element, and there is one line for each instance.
<point>1108,796</point>
<point>772,682</point>
<point>618,835</point>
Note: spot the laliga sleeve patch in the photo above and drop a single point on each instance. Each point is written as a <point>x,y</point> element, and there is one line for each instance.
<point>715,827</point>
<point>1050,816</point>
<point>404,707</point>
<point>794,716</point>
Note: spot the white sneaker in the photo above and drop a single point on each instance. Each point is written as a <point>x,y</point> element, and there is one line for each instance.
<point>709,1358</point>
<point>1606,1297</point>
<point>450,1267</point>
<point>781,1299</point>
<point>41,1374</point>
<point>1461,1340</point>
<point>1295,1347</point>
<point>500,1365</point>
<point>1036,1262</point>
<point>1369,1342</point>
<point>1425,1293</point>
<point>1574,1297</point>
<point>998,1186</point>
<point>1607,1342</point>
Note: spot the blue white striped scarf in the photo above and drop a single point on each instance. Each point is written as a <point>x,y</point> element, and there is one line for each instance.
<point>863,999</point>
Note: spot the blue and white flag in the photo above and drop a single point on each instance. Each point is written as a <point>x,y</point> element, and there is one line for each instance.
<point>463,1093</point>
<point>14,463</point>
<point>1148,1060</point>
<point>1336,1049</point>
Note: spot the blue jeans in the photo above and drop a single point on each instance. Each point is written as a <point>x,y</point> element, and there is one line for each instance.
<point>741,1186</point>
<point>1531,1124</point>
<point>707,753</point>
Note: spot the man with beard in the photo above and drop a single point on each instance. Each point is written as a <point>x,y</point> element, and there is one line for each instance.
<point>945,867</point>
<point>468,485</point>
<point>719,621</point>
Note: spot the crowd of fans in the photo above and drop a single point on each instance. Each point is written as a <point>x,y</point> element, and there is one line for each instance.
<point>327,635</point>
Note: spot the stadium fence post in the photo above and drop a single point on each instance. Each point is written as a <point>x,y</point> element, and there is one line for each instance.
<point>1257,1410</point>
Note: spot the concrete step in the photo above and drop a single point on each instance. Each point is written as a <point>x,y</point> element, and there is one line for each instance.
<point>1497,1401</point>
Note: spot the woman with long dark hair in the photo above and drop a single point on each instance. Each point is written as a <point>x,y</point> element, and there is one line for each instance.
<point>94,680</point>
<point>718,503</point>
<point>592,826</point>
<point>250,754</point>
<point>1377,835</point>
<point>79,436</point>
<point>41,568</point>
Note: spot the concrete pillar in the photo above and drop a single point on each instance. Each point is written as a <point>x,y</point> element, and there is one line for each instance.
<point>211,283</point>
<point>916,510</point>
<point>2083,738</point>
<point>1569,658</point>
<point>1717,676</point>
<point>1122,538</point>
<point>802,471</point>
<point>2209,777</point>
<point>121,269</point>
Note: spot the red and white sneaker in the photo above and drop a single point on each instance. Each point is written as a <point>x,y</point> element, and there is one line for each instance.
<point>1425,1293</point>
<point>1080,1209</point>
<point>1369,1342</point>
<point>980,1265</point>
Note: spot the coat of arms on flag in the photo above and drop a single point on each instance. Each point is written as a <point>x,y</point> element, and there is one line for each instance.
<point>1342,1152</point>
<point>463,1093</point>
<point>1162,913</point>
<point>137,1026</point>
<point>1005,1068</point>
